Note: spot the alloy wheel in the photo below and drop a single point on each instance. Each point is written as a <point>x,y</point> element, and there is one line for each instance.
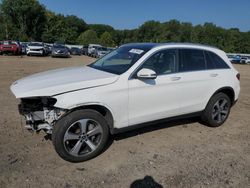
<point>82,137</point>
<point>220,110</point>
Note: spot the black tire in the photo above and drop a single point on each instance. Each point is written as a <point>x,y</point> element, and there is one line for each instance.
<point>62,127</point>
<point>209,117</point>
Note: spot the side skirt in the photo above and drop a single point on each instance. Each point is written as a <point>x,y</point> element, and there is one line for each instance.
<point>165,120</point>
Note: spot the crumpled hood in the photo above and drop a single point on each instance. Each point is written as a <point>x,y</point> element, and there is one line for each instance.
<point>59,81</point>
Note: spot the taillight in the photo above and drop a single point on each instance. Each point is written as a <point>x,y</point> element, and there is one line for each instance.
<point>238,76</point>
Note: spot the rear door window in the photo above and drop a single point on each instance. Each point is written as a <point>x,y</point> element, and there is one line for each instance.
<point>191,60</point>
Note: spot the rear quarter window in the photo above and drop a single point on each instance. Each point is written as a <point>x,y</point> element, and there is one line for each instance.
<point>214,61</point>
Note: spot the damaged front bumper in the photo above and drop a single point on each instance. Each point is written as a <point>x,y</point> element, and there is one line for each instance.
<point>40,113</point>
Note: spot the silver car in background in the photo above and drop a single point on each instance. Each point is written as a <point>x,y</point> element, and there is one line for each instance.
<point>36,48</point>
<point>100,52</point>
<point>60,50</point>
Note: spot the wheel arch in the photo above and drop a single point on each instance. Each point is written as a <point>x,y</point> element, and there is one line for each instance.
<point>228,91</point>
<point>101,108</point>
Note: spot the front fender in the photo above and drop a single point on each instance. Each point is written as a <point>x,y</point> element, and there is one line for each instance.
<point>115,100</point>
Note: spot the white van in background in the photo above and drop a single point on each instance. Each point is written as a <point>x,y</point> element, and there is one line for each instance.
<point>91,48</point>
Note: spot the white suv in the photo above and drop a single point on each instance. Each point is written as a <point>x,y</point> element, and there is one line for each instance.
<point>132,85</point>
<point>36,48</point>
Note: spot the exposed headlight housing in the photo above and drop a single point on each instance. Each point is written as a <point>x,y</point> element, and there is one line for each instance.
<point>35,104</point>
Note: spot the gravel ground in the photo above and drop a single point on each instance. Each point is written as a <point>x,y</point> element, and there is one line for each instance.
<point>175,154</point>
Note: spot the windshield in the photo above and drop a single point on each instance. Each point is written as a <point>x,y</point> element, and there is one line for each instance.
<point>101,48</point>
<point>59,46</point>
<point>119,60</point>
<point>35,44</point>
<point>9,42</point>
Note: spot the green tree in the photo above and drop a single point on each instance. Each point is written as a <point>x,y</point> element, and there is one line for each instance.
<point>149,32</point>
<point>106,40</point>
<point>61,28</point>
<point>171,31</point>
<point>25,18</point>
<point>128,36</point>
<point>2,26</point>
<point>101,28</point>
<point>76,24</point>
<point>88,37</point>
<point>186,32</point>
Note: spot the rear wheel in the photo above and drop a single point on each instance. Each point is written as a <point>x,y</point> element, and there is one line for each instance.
<point>80,136</point>
<point>217,110</point>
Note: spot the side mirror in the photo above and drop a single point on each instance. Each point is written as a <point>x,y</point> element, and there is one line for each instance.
<point>146,74</point>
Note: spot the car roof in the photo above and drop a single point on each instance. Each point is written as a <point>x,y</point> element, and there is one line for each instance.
<point>150,46</point>
<point>59,46</point>
<point>147,46</point>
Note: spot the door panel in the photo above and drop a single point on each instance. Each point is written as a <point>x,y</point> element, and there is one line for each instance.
<point>197,81</point>
<point>153,99</point>
<point>196,89</point>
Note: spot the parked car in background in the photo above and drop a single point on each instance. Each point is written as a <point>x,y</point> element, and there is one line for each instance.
<point>245,60</point>
<point>24,48</point>
<point>49,48</point>
<point>236,59</point>
<point>91,49</point>
<point>60,50</point>
<point>100,52</point>
<point>36,48</point>
<point>85,50</point>
<point>75,51</point>
<point>110,49</point>
<point>1,42</point>
<point>10,47</point>
<point>230,57</point>
<point>133,85</point>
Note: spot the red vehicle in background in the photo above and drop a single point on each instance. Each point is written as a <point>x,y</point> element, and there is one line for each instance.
<point>1,42</point>
<point>9,46</point>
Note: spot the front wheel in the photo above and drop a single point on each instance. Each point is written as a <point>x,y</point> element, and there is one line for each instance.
<point>217,110</point>
<point>80,136</point>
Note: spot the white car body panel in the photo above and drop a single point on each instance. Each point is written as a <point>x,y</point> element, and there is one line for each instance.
<point>193,98</point>
<point>150,100</point>
<point>113,96</point>
<point>58,81</point>
<point>132,101</point>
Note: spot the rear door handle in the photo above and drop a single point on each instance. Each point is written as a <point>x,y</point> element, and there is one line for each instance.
<point>214,75</point>
<point>175,78</point>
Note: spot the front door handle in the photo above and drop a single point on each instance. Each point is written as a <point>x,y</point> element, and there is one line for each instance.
<point>175,78</point>
<point>214,75</point>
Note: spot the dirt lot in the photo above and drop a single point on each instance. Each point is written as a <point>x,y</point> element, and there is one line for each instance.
<point>179,154</point>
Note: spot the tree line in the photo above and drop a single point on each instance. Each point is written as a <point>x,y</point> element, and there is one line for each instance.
<point>28,20</point>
